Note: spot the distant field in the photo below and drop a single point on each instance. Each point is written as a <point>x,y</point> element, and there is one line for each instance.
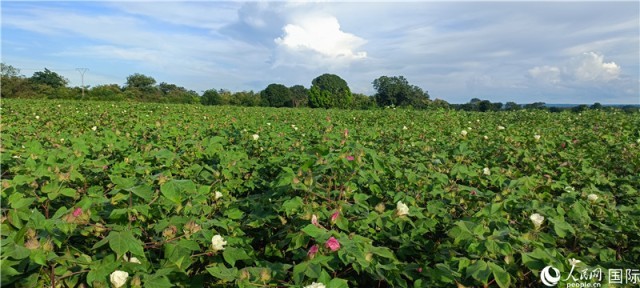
<point>345,198</point>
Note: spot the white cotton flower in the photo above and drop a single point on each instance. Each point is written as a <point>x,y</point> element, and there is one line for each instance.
<point>94,128</point>
<point>486,171</point>
<point>118,278</point>
<point>500,127</point>
<point>268,124</point>
<point>537,137</point>
<point>217,195</point>
<point>569,189</point>
<point>37,117</point>
<point>404,128</point>
<point>217,243</point>
<point>485,137</point>
<point>537,220</point>
<point>402,209</point>
<point>255,137</point>
<point>315,285</point>
<point>59,106</point>
<point>592,197</point>
<point>574,261</point>
<point>132,259</point>
<point>61,139</point>
<point>464,132</point>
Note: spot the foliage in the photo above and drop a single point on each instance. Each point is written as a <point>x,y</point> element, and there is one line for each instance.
<point>211,97</point>
<point>397,198</point>
<point>396,91</point>
<point>140,82</point>
<point>299,96</point>
<point>277,95</point>
<point>329,91</point>
<point>49,78</point>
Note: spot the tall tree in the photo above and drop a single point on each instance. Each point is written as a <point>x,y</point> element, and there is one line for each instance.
<point>277,95</point>
<point>329,90</point>
<point>211,97</point>
<point>299,96</point>
<point>49,78</point>
<point>12,83</point>
<point>141,82</point>
<point>397,91</point>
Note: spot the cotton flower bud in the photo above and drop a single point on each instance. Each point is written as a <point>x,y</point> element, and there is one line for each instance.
<point>380,208</point>
<point>32,244</point>
<point>486,171</point>
<point>402,209</point>
<point>537,220</point>
<point>135,282</point>
<point>574,262</point>
<point>47,246</point>
<point>265,275</point>
<point>191,228</point>
<point>368,257</point>
<point>217,243</point>
<point>169,232</point>
<point>118,278</point>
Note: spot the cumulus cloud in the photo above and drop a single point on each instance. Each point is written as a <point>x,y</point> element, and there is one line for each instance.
<point>590,66</point>
<point>550,74</point>
<point>587,67</point>
<point>321,35</point>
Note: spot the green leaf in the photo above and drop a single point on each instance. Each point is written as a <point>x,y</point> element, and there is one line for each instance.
<point>143,191</point>
<point>292,205</point>
<point>157,281</point>
<point>175,189</point>
<point>231,255</point>
<point>313,231</point>
<point>338,283</point>
<point>562,228</point>
<point>123,242</point>
<point>223,273</point>
<point>479,271</point>
<point>503,279</point>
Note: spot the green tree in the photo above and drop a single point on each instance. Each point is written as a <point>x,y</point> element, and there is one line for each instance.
<point>299,96</point>
<point>363,102</point>
<point>277,95</point>
<point>211,97</point>
<point>49,78</point>
<point>105,92</point>
<point>398,92</point>
<point>12,83</point>
<point>328,91</point>
<point>141,82</point>
<point>512,106</point>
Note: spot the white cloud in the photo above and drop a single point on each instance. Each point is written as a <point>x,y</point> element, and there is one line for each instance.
<point>587,67</point>
<point>590,66</point>
<point>549,74</point>
<point>321,35</point>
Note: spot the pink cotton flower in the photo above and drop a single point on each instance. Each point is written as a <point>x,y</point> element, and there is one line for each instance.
<point>346,132</point>
<point>350,158</point>
<point>77,212</point>
<point>312,251</point>
<point>334,216</point>
<point>332,244</point>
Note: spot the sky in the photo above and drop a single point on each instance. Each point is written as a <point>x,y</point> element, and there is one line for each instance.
<point>545,51</point>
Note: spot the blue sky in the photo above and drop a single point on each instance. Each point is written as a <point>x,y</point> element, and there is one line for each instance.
<point>547,51</point>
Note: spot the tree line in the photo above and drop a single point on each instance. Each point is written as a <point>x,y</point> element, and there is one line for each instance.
<point>326,91</point>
